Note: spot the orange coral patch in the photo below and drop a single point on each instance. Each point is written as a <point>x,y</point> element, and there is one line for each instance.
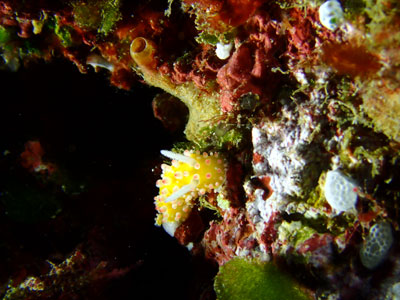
<point>236,12</point>
<point>349,59</point>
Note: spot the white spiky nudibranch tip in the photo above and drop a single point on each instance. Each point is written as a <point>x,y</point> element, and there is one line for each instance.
<point>182,191</point>
<point>179,157</point>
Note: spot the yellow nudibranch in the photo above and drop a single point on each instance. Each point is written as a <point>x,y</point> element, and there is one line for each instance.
<point>190,175</point>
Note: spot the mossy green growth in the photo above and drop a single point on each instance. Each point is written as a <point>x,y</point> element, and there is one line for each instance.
<point>223,202</point>
<point>381,103</point>
<point>110,15</point>
<point>212,39</point>
<point>242,279</point>
<point>97,15</point>
<point>380,11</point>
<point>205,204</point>
<point>316,197</point>
<point>206,38</point>
<point>301,4</point>
<point>222,136</point>
<point>5,35</point>
<point>294,234</point>
<point>353,8</point>
<point>61,31</point>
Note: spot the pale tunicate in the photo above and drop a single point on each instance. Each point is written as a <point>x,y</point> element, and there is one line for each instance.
<point>376,245</point>
<point>331,14</point>
<point>340,192</point>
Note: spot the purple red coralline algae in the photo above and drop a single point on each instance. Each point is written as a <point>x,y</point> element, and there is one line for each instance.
<point>239,76</point>
<point>204,68</point>
<point>234,236</point>
<point>229,13</point>
<point>31,158</point>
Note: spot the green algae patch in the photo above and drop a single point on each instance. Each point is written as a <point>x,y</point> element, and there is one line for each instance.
<point>97,15</point>
<point>5,35</point>
<point>249,279</point>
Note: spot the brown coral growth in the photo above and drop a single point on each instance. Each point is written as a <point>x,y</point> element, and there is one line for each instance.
<point>349,59</point>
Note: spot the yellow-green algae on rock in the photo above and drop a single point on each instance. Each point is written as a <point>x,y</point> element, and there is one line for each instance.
<point>241,279</point>
<point>381,102</point>
<point>203,105</point>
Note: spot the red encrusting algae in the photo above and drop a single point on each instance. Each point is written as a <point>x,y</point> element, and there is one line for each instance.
<point>31,158</point>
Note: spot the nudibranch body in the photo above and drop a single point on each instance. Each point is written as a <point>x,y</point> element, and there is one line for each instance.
<point>190,175</point>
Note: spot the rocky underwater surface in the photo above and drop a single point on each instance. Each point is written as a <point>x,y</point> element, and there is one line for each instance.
<point>200,149</point>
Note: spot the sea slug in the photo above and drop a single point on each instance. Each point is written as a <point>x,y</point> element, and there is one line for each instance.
<point>190,175</point>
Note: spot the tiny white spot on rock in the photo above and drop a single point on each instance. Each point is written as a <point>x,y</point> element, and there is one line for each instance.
<point>223,51</point>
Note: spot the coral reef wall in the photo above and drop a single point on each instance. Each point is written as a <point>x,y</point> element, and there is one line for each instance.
<point>290,111</point>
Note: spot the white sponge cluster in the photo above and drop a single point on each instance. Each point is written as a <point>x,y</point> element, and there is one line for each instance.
<point>331,14</point>
<point>340,192</point>
<point>376,245</point>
